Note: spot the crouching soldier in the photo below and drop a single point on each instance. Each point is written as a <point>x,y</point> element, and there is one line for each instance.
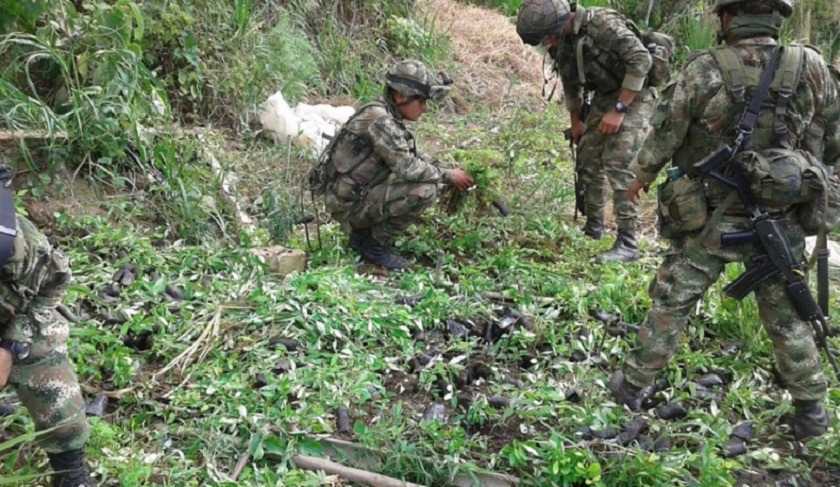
<point>374,181</point>
<point>33,341</point>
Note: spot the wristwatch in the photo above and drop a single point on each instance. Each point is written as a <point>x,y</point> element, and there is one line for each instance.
<point>19,350</point>
<point>620,107</point>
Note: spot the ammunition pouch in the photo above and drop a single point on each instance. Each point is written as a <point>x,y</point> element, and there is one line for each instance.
<point>682,205</point>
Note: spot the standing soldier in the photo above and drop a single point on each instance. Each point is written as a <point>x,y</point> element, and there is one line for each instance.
<point>697,115</point>
<point>33,341</point>
<point>375,182</point>
<point>597,50</point>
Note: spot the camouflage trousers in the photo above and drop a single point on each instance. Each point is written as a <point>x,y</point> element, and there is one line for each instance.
<point>388,209</point>
<point>605,159</point>
<point>45,381</point>
<point>689,269</point>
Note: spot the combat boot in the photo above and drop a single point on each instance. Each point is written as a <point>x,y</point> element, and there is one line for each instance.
<point>357,239</point>
<point>809,419</point>
<point>70,469</point>
<point>625,249</point>
<point>626,393</point>
<point>378,253</point>
<point>593,229</point>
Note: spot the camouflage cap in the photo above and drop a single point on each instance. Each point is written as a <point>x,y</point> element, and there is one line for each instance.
<point>412,78</point>
<point>539,19</point>
<point>785,7</point>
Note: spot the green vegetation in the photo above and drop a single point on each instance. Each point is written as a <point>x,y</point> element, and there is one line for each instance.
<point>119,89</point>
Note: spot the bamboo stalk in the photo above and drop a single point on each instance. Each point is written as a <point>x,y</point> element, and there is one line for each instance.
<point>352,474</point>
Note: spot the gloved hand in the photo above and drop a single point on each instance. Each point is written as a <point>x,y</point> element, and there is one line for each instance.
<point>6,361</point>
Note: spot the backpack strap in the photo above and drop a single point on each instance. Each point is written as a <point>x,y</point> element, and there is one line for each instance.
<point>787,76</point>
<point>735,75</point>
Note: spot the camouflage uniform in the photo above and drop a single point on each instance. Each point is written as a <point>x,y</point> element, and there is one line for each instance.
<point>613,58</point>
<point>32,284</point>
<point>393,185</point>
<point>695,116</point>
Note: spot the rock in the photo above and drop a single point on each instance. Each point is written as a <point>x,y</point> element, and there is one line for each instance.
<point>607,433</point>
<point>411,301</point>
<point>455,329</point>
<point>584,433</point>
<point>280,260</point>
<point>603,316</point>
<point>114,319</point>
<point>645,443</point>
<point>112,291</point>
<point>732,348</point>
<point>662,444</point>
<point>744,431</point>
<point>287,343</point>
<point>499,402</point>
<point>632,430</point>
<point>260,380</point>
<point>710,380</point>
<point>572,396</point>
<point>125,276</point>
<point>671,411</point>
<point>174,292</point>
<point>527,361</point>
<point>97,406</point>
<point>283,365</point>
<point>478,371</point>
<point>435,412</point>
<point>734,447</point>
<point>616,332</point>
<point>700,391</point>
<point>343,422</point>
<point>6,410</point>
<point>577,356</point>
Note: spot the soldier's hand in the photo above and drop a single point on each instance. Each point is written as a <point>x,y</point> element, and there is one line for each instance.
<point>6,361</point>
<point>633,191</point>
<point>578,129</point>
<point>611,122</point>
<point>462,180</point>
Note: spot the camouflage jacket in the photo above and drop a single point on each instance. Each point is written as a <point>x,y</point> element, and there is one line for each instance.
<point>613,56</point>
<point>379,133</point>
<point>697,114</point>
<point>36,275</point>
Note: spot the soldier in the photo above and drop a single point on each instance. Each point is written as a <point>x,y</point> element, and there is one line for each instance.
<point>376,183</point>
<point>33,341</point>
<point>597,50</point>
<point>698,113</point>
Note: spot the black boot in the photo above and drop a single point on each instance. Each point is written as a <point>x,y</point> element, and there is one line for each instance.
<point>378,253</point>
<point>625,249</point>
<point>357,239</point>
<point>626,393</point>
<point>809,419</point>
<point>70,469</point>
<point>593,229</point>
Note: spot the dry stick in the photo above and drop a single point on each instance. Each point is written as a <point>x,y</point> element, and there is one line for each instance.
<point>352,474</point>
<point>240,466</point>
<point>210,331</point>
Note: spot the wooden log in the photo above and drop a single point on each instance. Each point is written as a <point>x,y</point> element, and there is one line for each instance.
<point>351,474</point>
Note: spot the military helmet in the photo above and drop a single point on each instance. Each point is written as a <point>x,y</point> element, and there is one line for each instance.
<point>412,78</point>
<point>539,19</point>
<point>785,6</point>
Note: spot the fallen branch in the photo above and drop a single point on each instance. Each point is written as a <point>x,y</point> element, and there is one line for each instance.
<point>240,466</point>
<point>352,474</point>
<point>14,135</point>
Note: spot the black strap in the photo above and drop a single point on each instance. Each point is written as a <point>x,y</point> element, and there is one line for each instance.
<point>7,225</point>
<point>424,89</point>
<point>752,112</point>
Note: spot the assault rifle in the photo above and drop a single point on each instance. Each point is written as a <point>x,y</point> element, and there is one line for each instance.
<point>580,188</point>
<point>768,230</point>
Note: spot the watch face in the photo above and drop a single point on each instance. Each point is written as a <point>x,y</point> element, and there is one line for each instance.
<point>23,350</point>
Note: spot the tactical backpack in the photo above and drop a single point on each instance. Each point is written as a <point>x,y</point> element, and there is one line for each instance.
<point>783,175</point>
<point>342,155</point>
<point>662,49</point>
